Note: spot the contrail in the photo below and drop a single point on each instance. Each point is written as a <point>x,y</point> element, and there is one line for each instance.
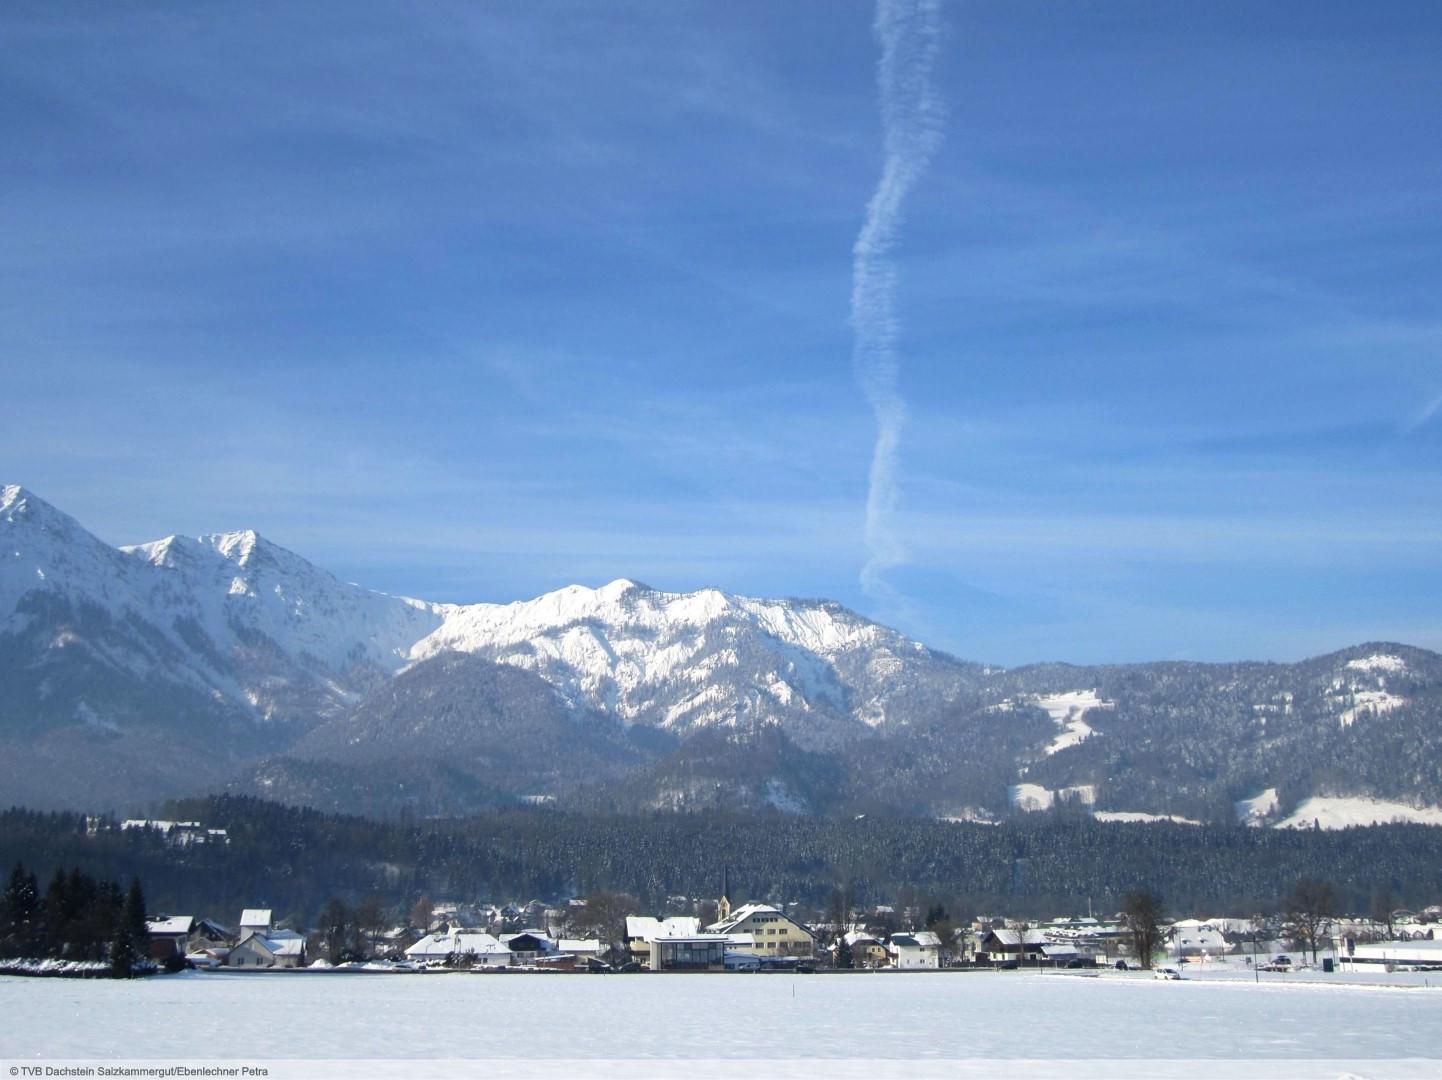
<point>909,33</point>
<point>1431,409</point>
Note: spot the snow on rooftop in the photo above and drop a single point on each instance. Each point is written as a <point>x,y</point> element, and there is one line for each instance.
<point>169,924</point>
<point>648,928</point>
<point>457,942</point>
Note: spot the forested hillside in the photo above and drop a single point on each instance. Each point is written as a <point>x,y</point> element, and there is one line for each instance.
<point>1049,864</point>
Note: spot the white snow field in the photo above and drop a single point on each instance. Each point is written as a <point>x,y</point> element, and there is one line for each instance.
<point>1218,1024</point>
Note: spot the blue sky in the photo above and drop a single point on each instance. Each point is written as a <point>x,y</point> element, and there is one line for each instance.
<point>472,301</point>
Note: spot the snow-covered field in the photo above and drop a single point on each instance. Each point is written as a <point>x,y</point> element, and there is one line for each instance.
<point>1344,813</point>
<point>1214,1023</point>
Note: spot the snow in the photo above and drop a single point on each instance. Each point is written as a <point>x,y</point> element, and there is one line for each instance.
<point>1341,813</point>
<point>779,797</point>
<point>1252,811</point>
<point>1373,701</point>
<point>1216,1022</point>
<point>1035,797</point>
<point>1136,816</point>
<point>208,599</point>
<point>169,924</point>
<point>459,942</point>
<point>1030,797</point>
<point>1067,710</point>
<point>623,647</point>
<point>1379,662</point>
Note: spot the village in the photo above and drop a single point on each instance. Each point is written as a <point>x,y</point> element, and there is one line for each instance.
<point>761,937</point>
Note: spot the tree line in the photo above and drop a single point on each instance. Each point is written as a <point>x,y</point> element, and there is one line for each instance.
<point>295,860</point>
<point>76,918</point>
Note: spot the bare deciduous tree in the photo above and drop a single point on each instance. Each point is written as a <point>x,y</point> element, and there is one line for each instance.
<point>1142,916</point>
<point>1310,907</point>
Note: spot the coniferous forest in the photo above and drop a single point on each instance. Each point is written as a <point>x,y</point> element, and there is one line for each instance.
<point>295,860</point>
<point>76,919</point>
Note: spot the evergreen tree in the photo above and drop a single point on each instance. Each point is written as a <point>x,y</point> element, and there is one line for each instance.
<point>130,945</point>
<point>335,930</point>
<point>19,911</point>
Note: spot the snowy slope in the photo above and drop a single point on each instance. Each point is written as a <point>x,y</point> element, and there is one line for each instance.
<point>255,630</point>
<point>682,661</point>
<point>46,550</point>
<point>236,597</point>
<point>1345,813</point>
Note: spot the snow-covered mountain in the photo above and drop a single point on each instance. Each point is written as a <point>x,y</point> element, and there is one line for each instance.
<point>229,643</point>
<point>260,633</point>
<point>708,659</point>
<point>183,665</point>
<point>283,642</point>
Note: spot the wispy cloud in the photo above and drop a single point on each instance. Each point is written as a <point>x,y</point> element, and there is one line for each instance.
<point>1423,416</point>
<point>909,33</point>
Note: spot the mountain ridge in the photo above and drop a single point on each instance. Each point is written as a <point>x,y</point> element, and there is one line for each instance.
<point>249,667</point>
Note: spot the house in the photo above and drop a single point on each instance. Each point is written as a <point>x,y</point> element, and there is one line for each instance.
<point>773,933</point>
<point>207,958</point>
<point>1194,938</point>
<point>1060,954</point>
<point>278,949</point>
<point>867,950</point>
<point>529,945</point>
<point>679,944</point>
<point>209,944</point>
<point>582,949</point>
<point>181,834</point>
<point>643,930</point>
<point>208,934</point>
<point>253,952</point>
<point>1005,945</point>
<point>461,948</point>
<point>916,951</point>
<point>696,952</point>
<point>255,921</point>
<point>169,936</point>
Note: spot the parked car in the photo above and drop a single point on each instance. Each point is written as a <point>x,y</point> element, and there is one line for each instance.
<point>1166,973</point>
<point>738,961</point>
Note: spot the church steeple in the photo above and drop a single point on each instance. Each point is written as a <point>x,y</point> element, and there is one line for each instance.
<point>723,905</point>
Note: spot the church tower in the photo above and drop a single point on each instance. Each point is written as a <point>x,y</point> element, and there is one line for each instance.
<point>723,905</point>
